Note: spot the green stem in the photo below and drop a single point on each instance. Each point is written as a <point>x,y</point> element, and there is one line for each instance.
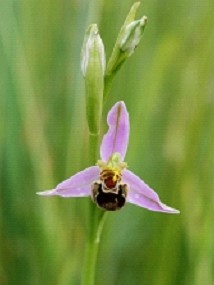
<point>96,216</point>
<point>107,86</point>
<point>96,222</point>
<point>93,148</point>
<point>92,246</point>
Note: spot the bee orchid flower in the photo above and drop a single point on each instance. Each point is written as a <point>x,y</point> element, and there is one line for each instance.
<point>109,182</point>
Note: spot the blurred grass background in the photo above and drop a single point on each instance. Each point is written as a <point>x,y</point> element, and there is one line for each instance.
<point>168,86</point>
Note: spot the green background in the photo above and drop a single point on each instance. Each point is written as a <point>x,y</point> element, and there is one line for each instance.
<point>168,87</point>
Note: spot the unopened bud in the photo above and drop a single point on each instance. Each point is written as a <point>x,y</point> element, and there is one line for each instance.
<point>127,40</point>
<point>93,69</point>
<point>132,35</point>
<point>92,50</point>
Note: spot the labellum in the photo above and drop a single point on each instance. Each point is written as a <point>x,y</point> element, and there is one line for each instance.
<point>108,192</point>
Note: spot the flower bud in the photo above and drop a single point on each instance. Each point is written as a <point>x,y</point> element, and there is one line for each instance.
<point>93,69</point>
<point>93,49</point>
<point>127,40</point>
<point>132,35</point>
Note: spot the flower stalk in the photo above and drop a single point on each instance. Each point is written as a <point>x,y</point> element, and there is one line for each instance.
<point>98,219</point>
<point>93,69</point>
<point>88,274</point>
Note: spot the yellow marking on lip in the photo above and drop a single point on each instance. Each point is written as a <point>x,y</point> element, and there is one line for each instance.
<point>116,175</point>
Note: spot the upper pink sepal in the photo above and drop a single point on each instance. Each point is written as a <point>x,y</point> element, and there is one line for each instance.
<point>117,137</point>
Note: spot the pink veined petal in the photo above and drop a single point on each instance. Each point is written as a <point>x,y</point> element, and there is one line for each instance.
<point>117,137</point>
<point>78,185</point>
<point>142,195</point>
